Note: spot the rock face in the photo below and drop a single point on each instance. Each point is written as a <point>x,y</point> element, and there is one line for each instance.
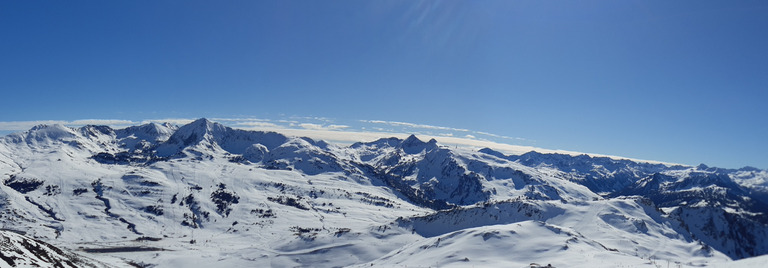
<point>205,186</point>
<point>17,250</point>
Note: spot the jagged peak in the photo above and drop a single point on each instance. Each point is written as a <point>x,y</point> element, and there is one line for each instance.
<point>413,145</point>
<point>412,139</point>
<point>96,129</point>
<point>191,134</point>
<point>215,135</point>
<point>202,122</point>
<point>200,127</point>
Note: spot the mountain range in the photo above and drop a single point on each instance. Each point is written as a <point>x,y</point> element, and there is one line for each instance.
<point>202,194</point>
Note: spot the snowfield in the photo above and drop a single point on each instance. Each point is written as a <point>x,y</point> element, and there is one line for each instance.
<point>206,195</point>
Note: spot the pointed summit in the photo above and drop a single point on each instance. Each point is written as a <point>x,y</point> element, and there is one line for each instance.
<point>199,127</point>
<point>412,139</point>
<point>197,132</point>
<point>413,145</point>
<point>201,122</point>
<point>210,136</point>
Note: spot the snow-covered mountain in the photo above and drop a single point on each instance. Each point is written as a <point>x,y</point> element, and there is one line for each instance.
<point>205,194</point>
<point>17,250</point>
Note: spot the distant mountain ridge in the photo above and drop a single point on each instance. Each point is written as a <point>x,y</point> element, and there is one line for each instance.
<point>176,186</point>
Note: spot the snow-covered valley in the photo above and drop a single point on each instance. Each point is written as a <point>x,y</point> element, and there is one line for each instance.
<point>206,195</point>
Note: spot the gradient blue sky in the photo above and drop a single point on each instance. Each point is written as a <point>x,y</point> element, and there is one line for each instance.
<point>676,81</point>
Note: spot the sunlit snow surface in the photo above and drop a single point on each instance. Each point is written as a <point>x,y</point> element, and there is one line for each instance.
<point>204,195</point>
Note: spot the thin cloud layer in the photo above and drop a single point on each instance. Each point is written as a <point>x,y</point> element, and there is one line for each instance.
<point>175,121</point>
<point>257,124</point>
<point>322,127</point>
<point>25,125</point>
<point>412,125</point>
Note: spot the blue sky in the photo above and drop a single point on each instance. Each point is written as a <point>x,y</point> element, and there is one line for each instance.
<point>676,81</point>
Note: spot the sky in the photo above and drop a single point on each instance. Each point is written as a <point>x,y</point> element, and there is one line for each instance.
<point>674,81</point>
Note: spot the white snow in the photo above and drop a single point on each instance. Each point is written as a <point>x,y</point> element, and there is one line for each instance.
<point>301,202</point>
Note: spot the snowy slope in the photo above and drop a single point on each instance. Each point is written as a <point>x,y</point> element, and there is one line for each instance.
<point>520,244</point>
<point>627,227</point>
<point>205,194</point>
<point>17,250</point>
<point>760,261</point>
